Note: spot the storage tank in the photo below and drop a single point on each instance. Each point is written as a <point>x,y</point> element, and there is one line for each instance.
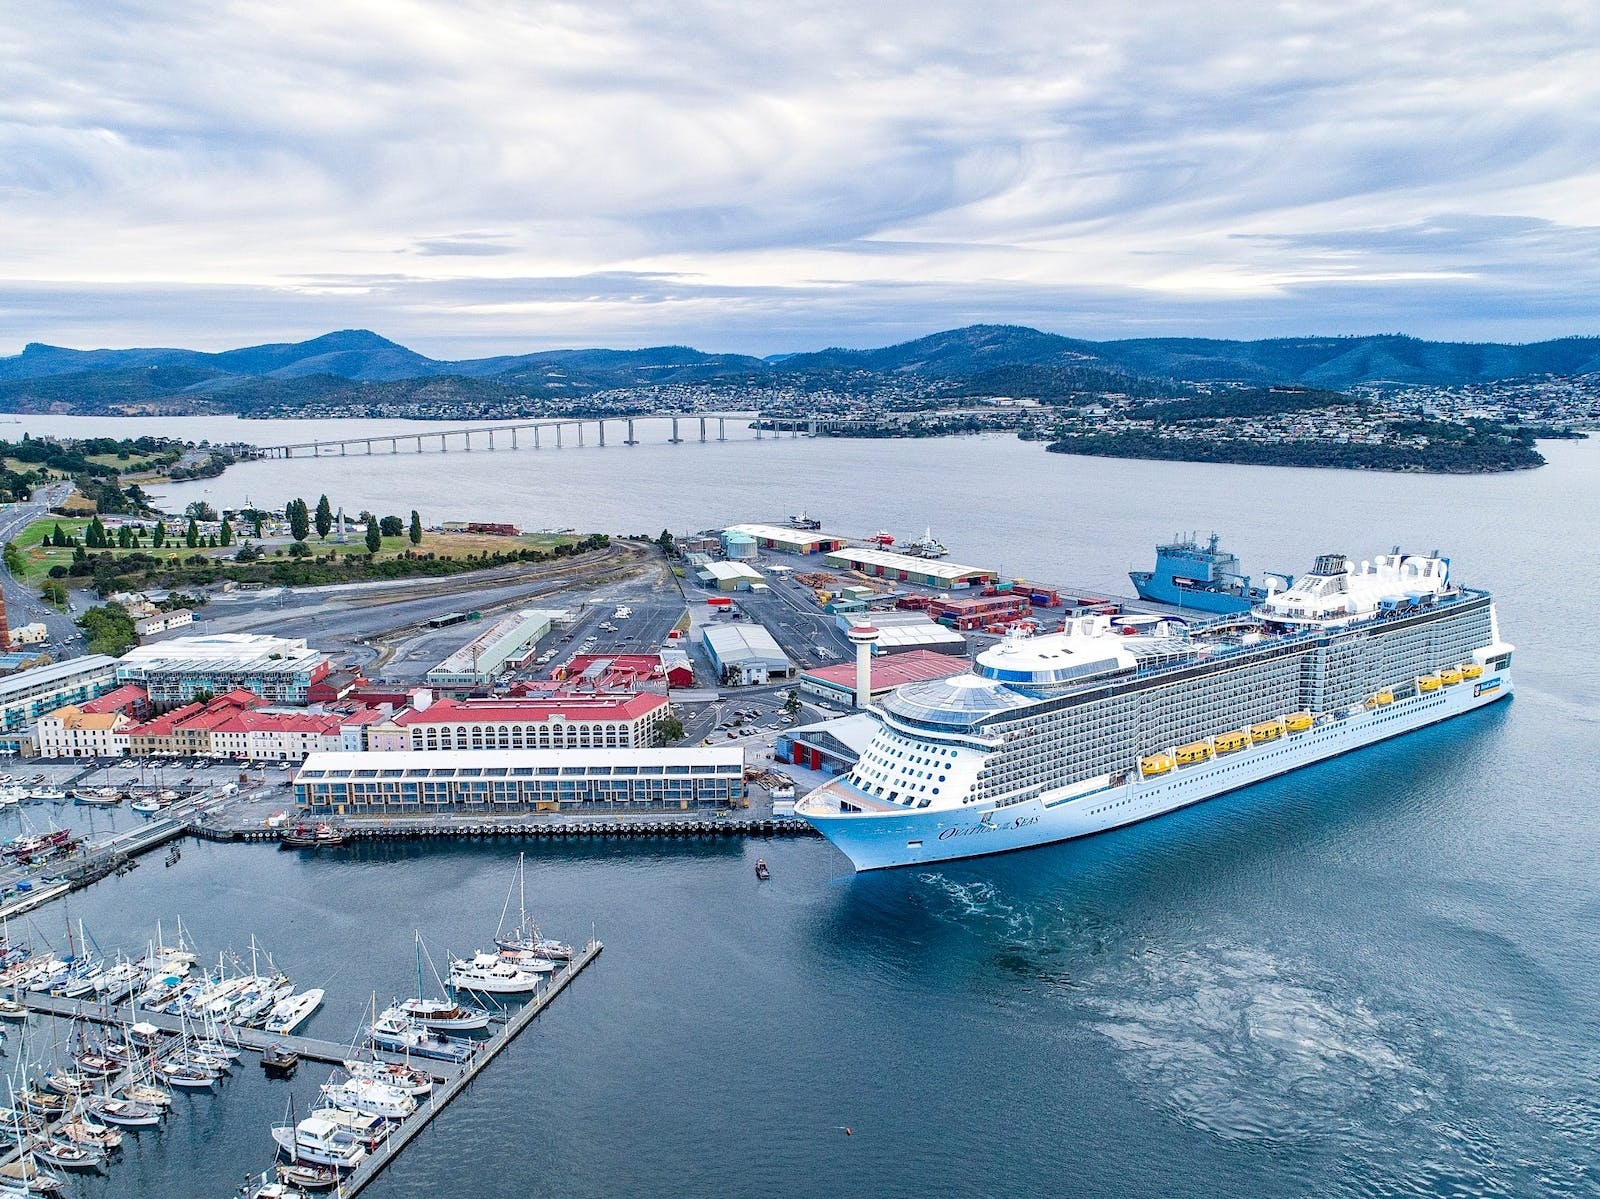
<point>739,547</point>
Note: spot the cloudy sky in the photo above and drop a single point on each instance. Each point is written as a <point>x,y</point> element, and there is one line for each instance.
<point>474,177</point>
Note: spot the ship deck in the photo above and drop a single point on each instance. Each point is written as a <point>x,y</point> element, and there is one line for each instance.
<point>826,800</point>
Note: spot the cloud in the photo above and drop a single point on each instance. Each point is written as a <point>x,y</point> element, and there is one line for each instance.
<point>762,173</point>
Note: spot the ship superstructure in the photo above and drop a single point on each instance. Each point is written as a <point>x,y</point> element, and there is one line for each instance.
<point>1106,723</point>
<point>1205,578</point>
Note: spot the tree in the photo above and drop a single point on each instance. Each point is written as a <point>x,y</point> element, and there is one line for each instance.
<point>392,526</point>
<point>324,517</point>
<point>58,537</point>
<point>299,520</point>
<point>54,593</point>
<point>416,528</point>
<point>225,534</point>
<point>665,542</point>
<point>109,629</point>
<point>200,510</point>
<point>374,538</point>
<point>13,558</point>
<point>95,536</point>
<point>159,537</point>
<point>669,729</point>
<point>191,535</point>
<point>299,549</point>
<point>124,537</point>
<point>791,703</point>
<point>259,519</point>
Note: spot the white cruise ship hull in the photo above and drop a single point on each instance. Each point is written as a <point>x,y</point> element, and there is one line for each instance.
<point>875,840</point>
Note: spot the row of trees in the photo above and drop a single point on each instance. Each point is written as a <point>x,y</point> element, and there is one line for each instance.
<point>302,519</point>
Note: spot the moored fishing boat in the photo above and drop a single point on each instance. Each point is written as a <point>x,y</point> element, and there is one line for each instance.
<point>446,1015</point>
<point>124,1113</point>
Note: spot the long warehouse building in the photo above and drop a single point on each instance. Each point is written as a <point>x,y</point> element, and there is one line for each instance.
<point>497,782</point>
<point>881,564</point>
<point>480,659</point>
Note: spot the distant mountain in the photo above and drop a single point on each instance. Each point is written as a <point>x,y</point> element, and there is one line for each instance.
<point>980,359</point>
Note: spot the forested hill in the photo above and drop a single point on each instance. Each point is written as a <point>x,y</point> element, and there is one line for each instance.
<point>361,368</point>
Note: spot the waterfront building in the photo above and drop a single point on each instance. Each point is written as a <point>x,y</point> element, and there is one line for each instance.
<point>281,670</point>
<point>543,722</point>
<point>71,732</point>
<point>30,694</point>
<point>479,660</point>
<point>788,541</point>
<point>274,735</point>
<point>828,745</point>
<point>883,564</point>
<point>481,782</point>
<point>94,728</point>
<point>625,672</point>
<point>745,654</point>
<point>837,684</point>
<point>186,731</point>
<point>906,632</point>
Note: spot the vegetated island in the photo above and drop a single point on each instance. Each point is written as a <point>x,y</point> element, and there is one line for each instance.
<point>1298,427</point>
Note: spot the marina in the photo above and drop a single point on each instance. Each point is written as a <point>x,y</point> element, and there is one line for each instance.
<point>450,1080</point>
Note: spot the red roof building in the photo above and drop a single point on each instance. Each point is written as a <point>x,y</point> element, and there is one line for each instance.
<point>913,666</point>
<point>130,700</point>
<point>535,722</point>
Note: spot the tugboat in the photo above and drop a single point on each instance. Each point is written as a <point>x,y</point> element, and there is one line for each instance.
<point>883,539</point>
<point>926,546</point>
<point>761,870</point>
<point>802,521</point>
<point>1205,578</point>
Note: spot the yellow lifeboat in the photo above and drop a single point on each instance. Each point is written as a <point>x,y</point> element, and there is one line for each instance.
<point>1472,671</point>
<point>1427,683</point>
<point>1297,722</point>
<point>1267,730</point>
<point>1195,751</point>
<point>1155,764</point>
<point>1450,676</point>
<point>1380,700</point>
<point>1228,742</point>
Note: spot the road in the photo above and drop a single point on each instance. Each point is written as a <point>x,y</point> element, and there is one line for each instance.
<point>23,605</point>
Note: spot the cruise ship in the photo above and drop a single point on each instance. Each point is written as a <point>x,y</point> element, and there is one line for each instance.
<point>1114,720</point>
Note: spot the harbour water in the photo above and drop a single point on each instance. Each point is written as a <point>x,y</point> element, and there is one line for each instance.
<point>1379,976</point>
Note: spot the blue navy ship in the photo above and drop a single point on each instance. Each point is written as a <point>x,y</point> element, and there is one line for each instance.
<point>1107,723</point>
<point>1203,578</point>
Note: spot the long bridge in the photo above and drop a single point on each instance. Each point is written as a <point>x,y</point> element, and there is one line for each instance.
<point>515,434</point>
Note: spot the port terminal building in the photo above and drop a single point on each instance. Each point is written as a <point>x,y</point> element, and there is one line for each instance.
<point>833,746</point>
<point>745,654</point>
<point>503,782</point>
<point>479,660</point>
<point>901,632</point>
<point>785,540</point>
<point>837,684</point>
<point>903,568</point>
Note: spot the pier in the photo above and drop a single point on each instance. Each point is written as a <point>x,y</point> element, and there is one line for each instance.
<point>427,828</point>
<point>450,1079</point>
<point>513,435</point>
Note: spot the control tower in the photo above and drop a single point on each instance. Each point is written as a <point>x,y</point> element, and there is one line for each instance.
<point>863,637</point>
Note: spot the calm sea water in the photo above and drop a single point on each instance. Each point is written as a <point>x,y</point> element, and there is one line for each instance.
<point>1379,976</point>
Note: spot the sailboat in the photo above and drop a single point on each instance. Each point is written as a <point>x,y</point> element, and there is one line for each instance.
<point>525,944</point>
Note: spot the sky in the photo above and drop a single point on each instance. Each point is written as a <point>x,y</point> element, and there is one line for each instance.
<point>472,177</point>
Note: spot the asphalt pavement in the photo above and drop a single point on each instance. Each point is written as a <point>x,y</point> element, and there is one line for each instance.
<point>23,605</point>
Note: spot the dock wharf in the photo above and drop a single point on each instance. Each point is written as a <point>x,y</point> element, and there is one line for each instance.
<point>96,862</point>
<point>420,829</point>
<point>450,1079</point>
